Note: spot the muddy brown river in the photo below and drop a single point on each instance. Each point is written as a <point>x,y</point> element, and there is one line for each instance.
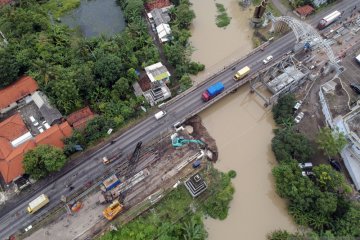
<point>242,128</point>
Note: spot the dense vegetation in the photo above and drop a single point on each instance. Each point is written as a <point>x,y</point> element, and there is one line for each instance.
<point>178,51</point>
<point>75,72</point>
<point>320,201</point>
<point>42,160</point>
<point>178,215</point>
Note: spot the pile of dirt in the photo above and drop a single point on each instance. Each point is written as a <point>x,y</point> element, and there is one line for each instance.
<point>200,132</point>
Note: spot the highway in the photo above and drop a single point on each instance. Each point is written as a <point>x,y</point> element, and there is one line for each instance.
<point>13,219</point>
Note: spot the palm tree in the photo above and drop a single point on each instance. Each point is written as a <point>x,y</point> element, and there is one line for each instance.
<point>193,231</point>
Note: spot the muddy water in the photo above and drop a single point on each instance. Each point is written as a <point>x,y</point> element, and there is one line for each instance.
<point>242,129</point>
<point>216,47</point>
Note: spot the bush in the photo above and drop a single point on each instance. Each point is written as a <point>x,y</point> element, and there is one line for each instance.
<point>232,174</point>
<point>217,206</point>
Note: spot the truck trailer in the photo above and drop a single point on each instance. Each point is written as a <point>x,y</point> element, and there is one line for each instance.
<point>241,73</point>
<point>329,19</point>
<point>37,203</point>
<point>110,183</point>
<point>212,91</point>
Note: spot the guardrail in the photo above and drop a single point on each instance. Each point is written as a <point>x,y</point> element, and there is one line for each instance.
<point>181,95</point>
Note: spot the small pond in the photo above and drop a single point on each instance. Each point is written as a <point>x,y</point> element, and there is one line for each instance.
<point>96,17</point>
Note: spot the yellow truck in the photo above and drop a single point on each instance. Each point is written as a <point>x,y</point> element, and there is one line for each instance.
<point>241,73</point>
<point>37,203</point>
<point>113,210</point>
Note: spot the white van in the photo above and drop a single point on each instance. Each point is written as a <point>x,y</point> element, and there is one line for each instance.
<point>160,115</point>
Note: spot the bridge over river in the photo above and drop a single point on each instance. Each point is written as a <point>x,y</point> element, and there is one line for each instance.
<point>86,167</point>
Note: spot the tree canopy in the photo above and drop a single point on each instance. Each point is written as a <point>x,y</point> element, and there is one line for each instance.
<point>283,110</point>
<point>9,66</point>
<point>287,145</point>
<point>42,160</point>
<point>331,142</point>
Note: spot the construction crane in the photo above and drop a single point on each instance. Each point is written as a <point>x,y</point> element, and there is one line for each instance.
<point>117,206</point>
<point>180,141</point>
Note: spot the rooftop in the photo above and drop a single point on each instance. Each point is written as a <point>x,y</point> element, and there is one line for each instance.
<point>157,4</point>
<point>16,91</point>
<point>195,185</point>
<point>12,128</point>
<point>79,118</point>
<point>160,16</point>
<point>11,157</point>
<point>157,72</point>
<point>305,10</point>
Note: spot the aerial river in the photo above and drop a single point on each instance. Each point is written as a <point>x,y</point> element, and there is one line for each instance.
<point>242,128</point>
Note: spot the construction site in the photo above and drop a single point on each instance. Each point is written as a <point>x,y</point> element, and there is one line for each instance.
<point>137,184</point>
<point>322,89</point>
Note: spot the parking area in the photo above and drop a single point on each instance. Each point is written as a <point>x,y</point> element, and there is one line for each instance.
<point>33,119</point>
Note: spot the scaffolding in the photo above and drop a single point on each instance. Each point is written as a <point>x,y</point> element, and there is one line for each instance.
<point>281,78</point>
<point>305,33</point>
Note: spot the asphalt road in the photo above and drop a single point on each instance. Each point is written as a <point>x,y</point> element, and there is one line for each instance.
<point>16,218</point>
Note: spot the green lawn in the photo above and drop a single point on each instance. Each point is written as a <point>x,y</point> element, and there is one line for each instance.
<point>59,7</point>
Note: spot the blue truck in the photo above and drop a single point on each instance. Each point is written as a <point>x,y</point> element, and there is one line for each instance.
<point>212,91</point>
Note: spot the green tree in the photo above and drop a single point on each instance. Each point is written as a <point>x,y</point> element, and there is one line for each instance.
<point>222,193</point>
<point>184,15</point>
<point>279,235</point>
<point>9,67</point>
<point>283,110</point>
<point>330,180</point>
<point>185,82</point>
<point>108,69</point>
<point>193,230</point>
<point>121,89</point>
<point>287,145</point>
<point>42,160</point>
<point>331,142</point>
<point>66,96</point>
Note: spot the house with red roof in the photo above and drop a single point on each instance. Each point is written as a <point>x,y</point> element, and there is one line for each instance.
<point>12,94</point>
<point>304,11</point>
<point>28,126</point>
<point>149,6</point>
<point>16,140</point>
<point>79,118</point>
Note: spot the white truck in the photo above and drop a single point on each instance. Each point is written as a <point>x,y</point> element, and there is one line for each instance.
<point>37,203</point>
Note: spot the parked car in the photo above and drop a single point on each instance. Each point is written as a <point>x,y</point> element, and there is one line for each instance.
<point>268,59</point>
<point>355,88</point>
<point>297,105</point>
<point>299,117</point>
<point>335,164</point>
<point>307,173</point>
<point>307,165</point>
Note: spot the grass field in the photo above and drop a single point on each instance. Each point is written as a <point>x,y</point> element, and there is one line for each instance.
<point>60,7</point>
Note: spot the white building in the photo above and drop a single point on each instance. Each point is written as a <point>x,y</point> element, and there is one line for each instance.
<point>164,32</point>
<point>158,72</point>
